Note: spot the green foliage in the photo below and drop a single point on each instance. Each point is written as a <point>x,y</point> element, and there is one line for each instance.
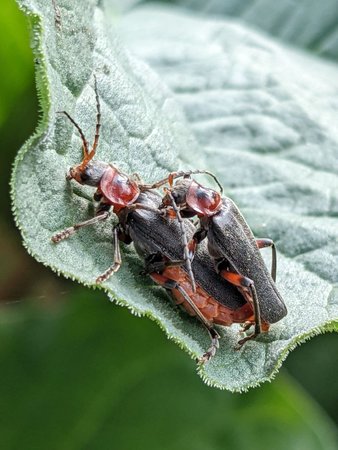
<point>255,116</point>
<point>15,71</point>
<point>71,380</point>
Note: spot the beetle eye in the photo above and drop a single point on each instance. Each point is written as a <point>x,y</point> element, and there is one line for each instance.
<point>175,195</point>
<point>178,197</point>
<point>85,175</point>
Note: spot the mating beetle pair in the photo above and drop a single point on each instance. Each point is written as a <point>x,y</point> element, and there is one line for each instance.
<point>184,265</point>
<point>232,245</point>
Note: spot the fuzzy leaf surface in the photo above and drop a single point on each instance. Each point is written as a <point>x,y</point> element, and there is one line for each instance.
<point>265,118</point>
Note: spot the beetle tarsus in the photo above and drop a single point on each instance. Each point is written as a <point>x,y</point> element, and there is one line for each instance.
<point>246,326</point>
<point>117,259</point>
<point>64,234</point>
<point>108,273</point>
<point>241,342</point>
<point>211,352</point>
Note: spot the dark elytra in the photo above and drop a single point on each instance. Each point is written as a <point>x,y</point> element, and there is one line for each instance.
<point>232,245</point>
<point>151,233</point>
<point>231,236</point>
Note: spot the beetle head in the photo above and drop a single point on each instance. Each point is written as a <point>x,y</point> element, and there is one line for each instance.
<point>179,192</point>
<point>89,173</point>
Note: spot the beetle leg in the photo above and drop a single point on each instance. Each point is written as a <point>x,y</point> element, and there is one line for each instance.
<point>211,352</point>
<point>153,264</point>
<point>117,260</point>
<point>170,285</point>
<point>246,284</point>
<point>136,206</point>
<point>248,324</point>
<point>64,234</point>
<point>264,328</point>
<point>187,256</point>
<point>197,238</point>
<point>135,176</point>
<point>262,243</point>
<point>214,336</point>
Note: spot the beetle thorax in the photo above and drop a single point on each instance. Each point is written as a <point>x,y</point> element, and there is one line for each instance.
<point>118,188</point>
<point>204,201</point>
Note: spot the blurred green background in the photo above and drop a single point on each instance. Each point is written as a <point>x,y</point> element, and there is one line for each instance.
<point>78,372</point>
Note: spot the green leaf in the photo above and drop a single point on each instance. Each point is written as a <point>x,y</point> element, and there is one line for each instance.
<point>73,379</point>
<point>265,117</point>
<point>263,123</point>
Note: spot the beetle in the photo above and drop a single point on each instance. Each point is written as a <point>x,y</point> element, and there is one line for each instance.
<point>158,240</point>
<point>231,244</point>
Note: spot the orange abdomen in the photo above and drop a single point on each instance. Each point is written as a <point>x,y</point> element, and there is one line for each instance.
<point>211,309</point>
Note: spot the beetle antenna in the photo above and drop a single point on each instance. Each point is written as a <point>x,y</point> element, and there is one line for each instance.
<point>88,155</point>
<point>215,179</point>
<point>98,119</point>
<point>184,239</point>
<point>84,140</point>
<point>181,174</point>
<point>198,171</point>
